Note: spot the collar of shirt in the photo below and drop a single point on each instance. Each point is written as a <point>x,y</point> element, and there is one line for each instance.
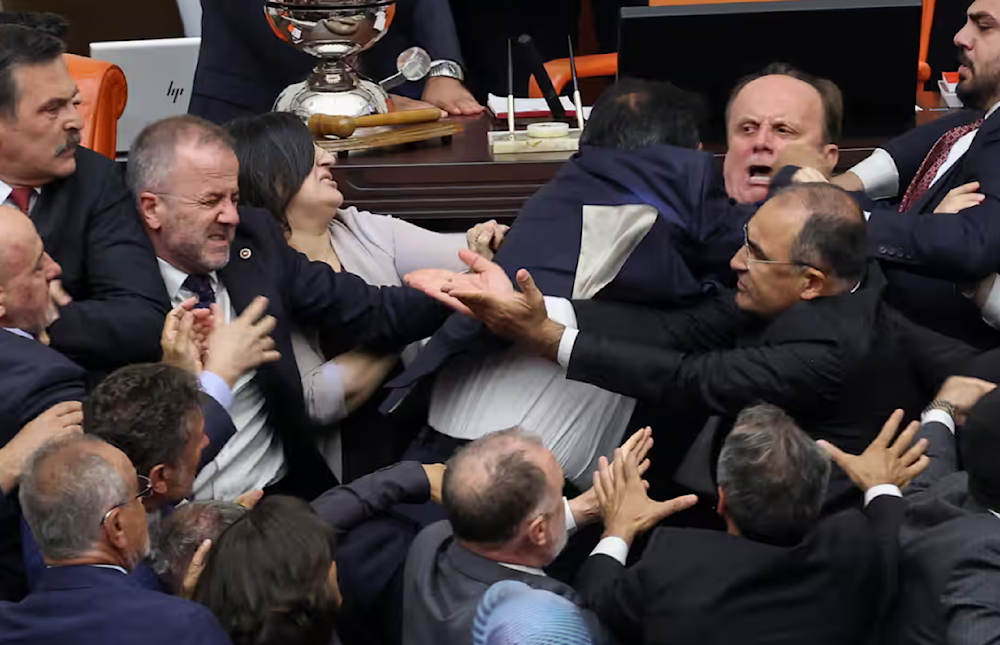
<point>19,332</point>
<point>114,567</point>
<point>6,189</point>
<point>174,279</point>
<point>520,567</point>
<point>994,512</point>
<point>992,110</point>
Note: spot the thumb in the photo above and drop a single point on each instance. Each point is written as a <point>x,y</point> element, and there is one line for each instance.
<point>838,455</point>
<point>528,288</point>
<point>675,505</point>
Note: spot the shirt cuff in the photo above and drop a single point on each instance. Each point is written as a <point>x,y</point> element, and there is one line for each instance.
<point>881,489</point>
<point>613,547</point>
<point>217,388</point>
<point>940,416</point>
<point>878,174</point>
<point>991,308</point>
<point>566,346</point>
<point>570,520</point>
<point>561,310</point>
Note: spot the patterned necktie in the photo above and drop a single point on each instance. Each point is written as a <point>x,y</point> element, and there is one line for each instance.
<point>201,286</point>
<point>933,162</point>
<point>22,198</point>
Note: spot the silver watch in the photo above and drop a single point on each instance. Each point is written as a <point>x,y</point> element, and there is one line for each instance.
<point>448,68</point>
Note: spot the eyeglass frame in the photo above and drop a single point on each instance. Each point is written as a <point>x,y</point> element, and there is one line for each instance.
<point>753,260</point>
<point>144,492</point>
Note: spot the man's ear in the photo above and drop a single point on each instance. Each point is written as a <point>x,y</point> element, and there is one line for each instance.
<point>3,301</point>
<point>158,476</point>
<point>537,534</point>
<point>831,156</point>
<point>701,146</point>
<point>115,529</point>
<point>720,506</point>
<point>150,210</point>
<point>815,282</point>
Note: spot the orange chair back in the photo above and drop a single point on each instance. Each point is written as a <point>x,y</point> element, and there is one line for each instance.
<point>103,94</point>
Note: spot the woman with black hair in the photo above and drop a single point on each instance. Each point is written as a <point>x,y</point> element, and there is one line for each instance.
<point>283,171</point>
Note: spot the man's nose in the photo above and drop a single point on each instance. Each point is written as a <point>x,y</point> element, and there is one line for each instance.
<point>763,140</point>
<point>229,214</point>
<point>739,261</point>
<point>53,270</point>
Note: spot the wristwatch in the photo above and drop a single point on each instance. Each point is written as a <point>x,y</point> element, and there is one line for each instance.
<point>944,406</point>
<point>448,68</point>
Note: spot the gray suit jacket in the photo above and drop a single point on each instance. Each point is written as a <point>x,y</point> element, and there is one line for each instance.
<point>444,584</point>
<point>950,560</point>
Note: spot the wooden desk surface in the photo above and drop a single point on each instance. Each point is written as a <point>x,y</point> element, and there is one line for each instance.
<point>448,187</point>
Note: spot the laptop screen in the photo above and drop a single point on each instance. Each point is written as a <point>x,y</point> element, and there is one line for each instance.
<point>869,48</point>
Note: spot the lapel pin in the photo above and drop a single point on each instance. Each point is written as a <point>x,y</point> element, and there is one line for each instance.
<point>245,254</point>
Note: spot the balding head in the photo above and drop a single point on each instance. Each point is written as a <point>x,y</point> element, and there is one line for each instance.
<point>503,494</point>
<point>79,498</point>
<point>808,241</point>
<point>25,273</point>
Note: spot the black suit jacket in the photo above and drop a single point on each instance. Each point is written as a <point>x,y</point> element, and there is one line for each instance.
<point>243,66</point>
<point>709,587</point>
<point>840,365</point>
<point>348,311</point>
<point>89,224</point>
<point>950,555</point>
<point>928,258</point>
<point>33,378</point>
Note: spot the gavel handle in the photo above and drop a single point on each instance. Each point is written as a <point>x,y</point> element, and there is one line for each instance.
<point>396,118</point>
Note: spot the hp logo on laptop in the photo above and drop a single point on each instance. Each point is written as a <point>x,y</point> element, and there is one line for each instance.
<point>174,92</point>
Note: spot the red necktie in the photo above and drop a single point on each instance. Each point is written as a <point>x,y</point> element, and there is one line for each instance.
<point>22,198</point>
<point>933,162</point>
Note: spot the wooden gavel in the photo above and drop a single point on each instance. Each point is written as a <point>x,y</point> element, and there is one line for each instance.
<point>322,125</point>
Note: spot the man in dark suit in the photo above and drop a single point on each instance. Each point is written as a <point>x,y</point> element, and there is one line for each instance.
<point>83,500</point>
<point>80,207</point>
<point>507,520</point>
<point>950,538</point>
<point>933,262</point>
<point>778,574</point>
<point>184,174</point>
<point>806,330</point>
<point>243,65</point>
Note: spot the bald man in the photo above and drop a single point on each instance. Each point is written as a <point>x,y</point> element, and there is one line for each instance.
<point>806,329</point>
<point>83,500</point>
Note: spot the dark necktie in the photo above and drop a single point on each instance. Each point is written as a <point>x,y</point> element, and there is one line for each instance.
<point>22,198</point>
<point>933,162</point>
<point>201,286</point>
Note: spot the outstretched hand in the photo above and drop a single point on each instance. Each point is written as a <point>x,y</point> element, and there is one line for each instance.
<point>889,459</point>
<point>585,506</point>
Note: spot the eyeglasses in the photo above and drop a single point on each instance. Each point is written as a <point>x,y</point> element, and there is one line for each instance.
<point>145,486</point>
<point>752,260</point>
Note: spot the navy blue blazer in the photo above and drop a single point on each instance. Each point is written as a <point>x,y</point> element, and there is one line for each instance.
<point>86,604</point>
<point>346,310</point>
<point>243,66</point>
<point>929,259</point>
<point>33,378</point>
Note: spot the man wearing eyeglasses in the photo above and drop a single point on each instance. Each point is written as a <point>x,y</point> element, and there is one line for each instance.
<point>805,329</point>
<point>83,501</point>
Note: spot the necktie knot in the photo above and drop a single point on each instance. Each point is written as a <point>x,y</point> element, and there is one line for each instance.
<point>201,286</point>
<point>22,198</point>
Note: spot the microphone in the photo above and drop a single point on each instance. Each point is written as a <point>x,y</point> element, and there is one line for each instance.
<point>537,68</point>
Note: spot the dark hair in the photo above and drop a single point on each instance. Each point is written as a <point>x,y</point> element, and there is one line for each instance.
<point>183,531</point>
<point>266,578</point>
<point>490,487</point>
<point>276,154</point>
<point>145,411</point>
<point>833,99</point>
<point>21,46</point>
<point>48,23</point>
<point>634,113</point>
<point>835,237</point>
<point>774,476</point>
<point>979,445</point>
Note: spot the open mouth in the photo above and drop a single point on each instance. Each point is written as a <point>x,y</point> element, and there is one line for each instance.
<point>759,175</point>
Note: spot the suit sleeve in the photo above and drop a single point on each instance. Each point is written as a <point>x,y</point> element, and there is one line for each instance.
<point>344,507</point>
<point>614,593</point>
<point>943,453</point>
<point>713,323</point>
<point>348,312</point>
<point>431,25</point>
<point>62,383</point>
<point>971,604</point>
<point>791,375</point>
<point>119,318</point>
<point>885,516</point>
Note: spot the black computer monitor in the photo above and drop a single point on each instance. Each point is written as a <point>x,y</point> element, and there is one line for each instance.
<point>869,48</point>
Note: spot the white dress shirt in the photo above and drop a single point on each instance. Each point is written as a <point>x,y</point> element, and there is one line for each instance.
<point>253,457</point>
<point>5,200</point>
